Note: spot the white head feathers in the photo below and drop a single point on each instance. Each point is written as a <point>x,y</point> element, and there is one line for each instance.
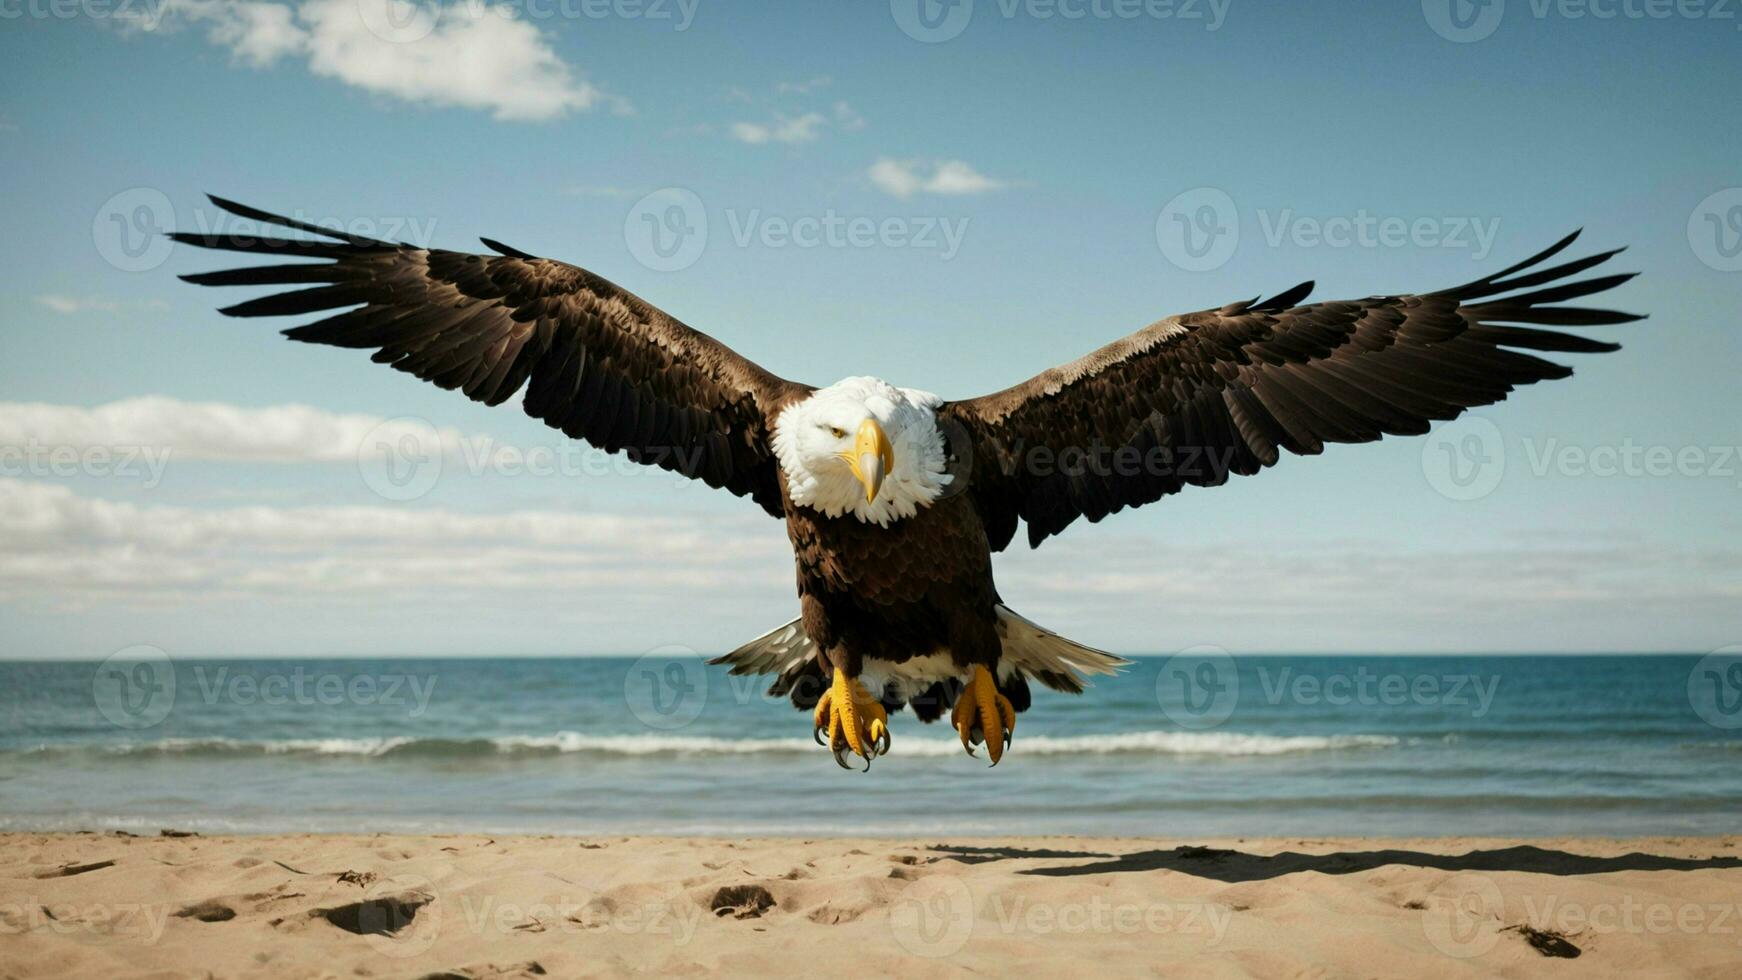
<point>811,436</point>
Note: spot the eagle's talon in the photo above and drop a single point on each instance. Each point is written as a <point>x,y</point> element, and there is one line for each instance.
<point>856,722</point>
<point>978,707</point>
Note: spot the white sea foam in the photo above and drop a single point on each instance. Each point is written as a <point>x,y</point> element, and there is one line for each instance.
<point>1159,743</point>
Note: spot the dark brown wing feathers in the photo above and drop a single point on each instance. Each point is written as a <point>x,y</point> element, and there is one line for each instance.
<point>1192,399</point>
<point>595,360</point>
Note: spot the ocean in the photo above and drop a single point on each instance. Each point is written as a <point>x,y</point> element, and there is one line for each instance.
<point>1201,744</point>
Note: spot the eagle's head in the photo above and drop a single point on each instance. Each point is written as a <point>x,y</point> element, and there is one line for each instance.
<point>863,447</point>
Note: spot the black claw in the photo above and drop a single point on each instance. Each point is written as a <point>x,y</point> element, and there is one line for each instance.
<point>817,737</point>
<point>841,762</point>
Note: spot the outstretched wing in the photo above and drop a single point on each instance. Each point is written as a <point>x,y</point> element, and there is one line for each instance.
<point>1192,398</point>
<point>598,362</point>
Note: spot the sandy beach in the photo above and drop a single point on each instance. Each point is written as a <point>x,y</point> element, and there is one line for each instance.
<point>473,906</point>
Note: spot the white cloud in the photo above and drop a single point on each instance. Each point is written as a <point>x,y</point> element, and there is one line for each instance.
<point>805,87</point>
<point>465,55</point>
<point>847,118</point>
<point>784,129</point>
<point>217,431</point>
<point>65,550</point>
<point>73,305</point>
<point>904,178</point>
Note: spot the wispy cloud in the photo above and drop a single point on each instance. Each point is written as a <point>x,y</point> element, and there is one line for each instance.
<point>795,127</point>
<point>804,87</point>
<point>783,129</point>
<point>73,305</point>
<point>905,178</point>
<point>465,55</point>
<point>219,431</point>
<point>1597,590</point>
<point>64,549</point>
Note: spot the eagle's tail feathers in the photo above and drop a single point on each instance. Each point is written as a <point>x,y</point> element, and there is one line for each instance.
<point>1060,664</point>
<point>784,651</point>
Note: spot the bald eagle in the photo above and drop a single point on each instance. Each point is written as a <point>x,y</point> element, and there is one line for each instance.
<point>895,499</point>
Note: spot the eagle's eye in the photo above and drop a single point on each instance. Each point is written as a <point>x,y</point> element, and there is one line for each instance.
<point>837,433</point>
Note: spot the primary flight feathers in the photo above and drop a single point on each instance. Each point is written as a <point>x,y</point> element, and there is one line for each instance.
<point>1210,393</point>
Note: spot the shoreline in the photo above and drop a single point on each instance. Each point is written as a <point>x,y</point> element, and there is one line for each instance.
<point>467,905</point>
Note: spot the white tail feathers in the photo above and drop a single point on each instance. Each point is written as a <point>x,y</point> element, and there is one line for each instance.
<point>1029,648</point>
<point>1058,663</point>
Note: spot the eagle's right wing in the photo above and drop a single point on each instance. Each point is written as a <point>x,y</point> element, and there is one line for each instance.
<point>1191,399</point>
<point>598,362</point>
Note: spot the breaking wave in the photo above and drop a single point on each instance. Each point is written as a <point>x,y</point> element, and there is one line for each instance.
<point>1160,743</point>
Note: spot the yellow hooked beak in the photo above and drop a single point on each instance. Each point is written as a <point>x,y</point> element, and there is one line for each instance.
<point>871,459</point>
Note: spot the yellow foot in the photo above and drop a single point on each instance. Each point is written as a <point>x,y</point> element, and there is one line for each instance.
<point>979,709</point>
<point>854,720</point>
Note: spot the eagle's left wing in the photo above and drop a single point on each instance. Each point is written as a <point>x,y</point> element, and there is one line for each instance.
<point>1193,398</point>
<point>597,361</point>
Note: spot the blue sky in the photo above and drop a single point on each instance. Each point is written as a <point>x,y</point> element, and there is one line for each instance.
<point>1025,170</point>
